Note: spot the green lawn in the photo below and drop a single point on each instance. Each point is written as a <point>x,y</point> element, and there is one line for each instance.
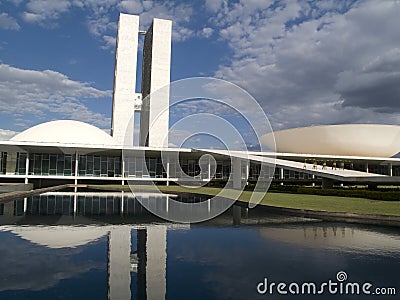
<point>301,201</point>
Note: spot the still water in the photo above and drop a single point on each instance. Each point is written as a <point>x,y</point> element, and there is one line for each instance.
<point>104,246</point>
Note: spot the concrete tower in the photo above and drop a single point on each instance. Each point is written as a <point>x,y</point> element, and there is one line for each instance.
<point>154,119</point>
<point>125,79</point>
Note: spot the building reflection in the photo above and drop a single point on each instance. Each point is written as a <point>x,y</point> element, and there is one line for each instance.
<point>137,251</point>
<point>148,261</point>
<point>145,261</point>
<point>333,236</point>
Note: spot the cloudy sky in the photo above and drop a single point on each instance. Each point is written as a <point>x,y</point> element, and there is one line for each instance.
<point>305,62</point>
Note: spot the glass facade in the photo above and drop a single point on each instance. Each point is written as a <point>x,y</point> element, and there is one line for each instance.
<point>223,170</point>
<point>21,163</point>
<point>3,160</point>
<point>291,174</point>
<point>379,169</point>
<point>255,170</point>
<point>396,170</point>
<point>51,164</point>
<point>150,167</point>
<point>13,163</point>
<point>46,164</point>
<point>103,166</point>
<point>191,167</point>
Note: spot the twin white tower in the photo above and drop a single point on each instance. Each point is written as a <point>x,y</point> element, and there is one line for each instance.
<point>156,65</point>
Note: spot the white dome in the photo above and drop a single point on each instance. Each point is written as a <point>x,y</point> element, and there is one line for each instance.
<point>371,140</point>
<point>65,132</point>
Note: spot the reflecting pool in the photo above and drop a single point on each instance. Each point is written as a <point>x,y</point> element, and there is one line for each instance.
<point>84,246</point>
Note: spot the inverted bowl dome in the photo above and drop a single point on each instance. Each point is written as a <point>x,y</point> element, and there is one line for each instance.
<point>372,140</point>
<point>60,237</point>
<point>65,132</point>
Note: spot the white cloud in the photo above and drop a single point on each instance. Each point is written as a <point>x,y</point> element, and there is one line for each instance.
<point>96,7</point>
<point>180,14</point>
<point>131,6</point>
<point>100,25</point>
<point>39,11</point>
<point>315,63</point>
<point>5,135</point>
<point>147,4</point>
<point>109,41</point>
<point>214,5</point>
<point>32,17</point>
<point>16,2</point>
<point>180,34</point>
<point>206,32</point>
<point>45,94</point>
<point>176,137</point>
<point>8,22</point>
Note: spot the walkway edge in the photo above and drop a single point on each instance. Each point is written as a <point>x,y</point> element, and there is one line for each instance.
<point>22,194</point>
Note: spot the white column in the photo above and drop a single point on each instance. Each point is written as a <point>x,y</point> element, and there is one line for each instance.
<point>123,170</point>
<point>76,171</point>
<point>247,170</point>
<point>25,204</point>
<point>75,199</point>
<point>390,167</point>
<point>366,168</point>
<point>122,202</point>
<point>26,169</point>
<point>281,174</point>
<point>209,168</point>
<point>167,171</point>
<point>119,264</point>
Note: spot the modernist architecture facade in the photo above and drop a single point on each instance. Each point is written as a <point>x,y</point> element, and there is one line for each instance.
<point>76,152</point>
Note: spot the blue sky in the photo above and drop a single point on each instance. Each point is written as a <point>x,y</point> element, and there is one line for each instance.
<point>305,62</point>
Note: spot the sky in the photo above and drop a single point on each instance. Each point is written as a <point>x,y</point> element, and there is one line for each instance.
<point>305,62</point>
